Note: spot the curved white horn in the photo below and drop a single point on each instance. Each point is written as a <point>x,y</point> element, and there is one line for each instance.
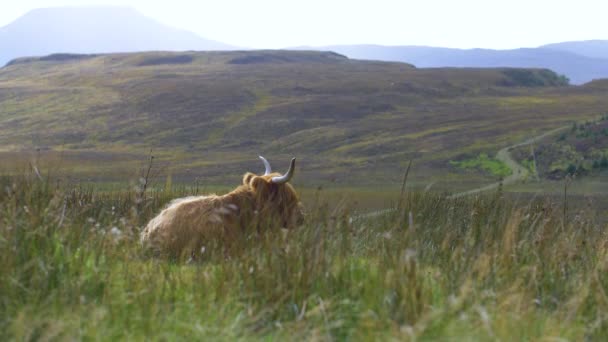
<point>266,165</point>
<point>287,176</point>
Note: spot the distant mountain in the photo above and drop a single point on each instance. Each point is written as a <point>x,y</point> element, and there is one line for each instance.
<point>589,48</point>
<point>93,30</point>
<point>578,68</point>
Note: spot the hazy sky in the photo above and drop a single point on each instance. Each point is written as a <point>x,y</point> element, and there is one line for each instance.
<point>450,23</point>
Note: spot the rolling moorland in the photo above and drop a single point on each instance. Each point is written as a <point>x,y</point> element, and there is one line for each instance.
<point>209,114</point>
<point>494,266</point>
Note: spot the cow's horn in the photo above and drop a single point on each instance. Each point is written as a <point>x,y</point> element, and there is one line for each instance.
<point>266,165</point>
<point>287,176</point>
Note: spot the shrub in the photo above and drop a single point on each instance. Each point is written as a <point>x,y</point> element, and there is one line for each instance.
<point>571,169</point>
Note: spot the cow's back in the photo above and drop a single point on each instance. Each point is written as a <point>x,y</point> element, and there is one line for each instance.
<point>182,226</point>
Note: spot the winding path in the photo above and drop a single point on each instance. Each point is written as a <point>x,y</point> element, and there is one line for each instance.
<point>518,172</point>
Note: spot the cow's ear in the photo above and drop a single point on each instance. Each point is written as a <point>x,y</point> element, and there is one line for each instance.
<point>260,186</point>
<point>247,178</point>
<point>257,182</point>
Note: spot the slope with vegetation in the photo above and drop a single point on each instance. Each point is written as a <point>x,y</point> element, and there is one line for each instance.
<point>210,113</point>
<point>580,150</point>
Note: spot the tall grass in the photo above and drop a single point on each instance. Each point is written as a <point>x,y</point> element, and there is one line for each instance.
<point>483,267</point>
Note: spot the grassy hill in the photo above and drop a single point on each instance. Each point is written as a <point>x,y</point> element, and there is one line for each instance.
<point>209,114</point>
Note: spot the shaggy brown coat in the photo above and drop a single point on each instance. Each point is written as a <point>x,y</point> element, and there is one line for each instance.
<point>187,224</point>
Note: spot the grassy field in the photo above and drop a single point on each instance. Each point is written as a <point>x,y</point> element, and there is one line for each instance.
<point>209,114</point>
<point>525,261</point>
<point>487,267</point>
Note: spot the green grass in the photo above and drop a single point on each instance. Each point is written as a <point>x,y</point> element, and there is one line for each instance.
<point>485,163</point>
<point>479,268</point>
<point>529,164</point>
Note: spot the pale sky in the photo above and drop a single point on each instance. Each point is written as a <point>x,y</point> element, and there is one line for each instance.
<point>283,23</point>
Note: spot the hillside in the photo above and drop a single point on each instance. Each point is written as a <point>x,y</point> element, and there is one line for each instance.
<point>581,150</point>
<point>578,68</point>
<point>93,30</point>
<point>210,114</point>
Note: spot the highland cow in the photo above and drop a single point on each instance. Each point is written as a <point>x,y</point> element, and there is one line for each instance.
<point>187,224</point>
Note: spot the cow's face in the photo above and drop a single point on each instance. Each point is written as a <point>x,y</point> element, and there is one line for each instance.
<point>276,200</point>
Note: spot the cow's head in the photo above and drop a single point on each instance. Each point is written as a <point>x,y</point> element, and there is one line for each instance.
<point>275,198</point>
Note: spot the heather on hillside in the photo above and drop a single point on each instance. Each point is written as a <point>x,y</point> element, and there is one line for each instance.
<point>348,120</point>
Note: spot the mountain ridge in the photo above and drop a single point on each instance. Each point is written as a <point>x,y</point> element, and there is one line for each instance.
<point>578,68</point>
<point>94,29</point>
<point>595,48</point>
<point>110,29</point>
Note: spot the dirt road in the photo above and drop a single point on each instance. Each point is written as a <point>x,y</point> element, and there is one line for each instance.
<point>518,171</point>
